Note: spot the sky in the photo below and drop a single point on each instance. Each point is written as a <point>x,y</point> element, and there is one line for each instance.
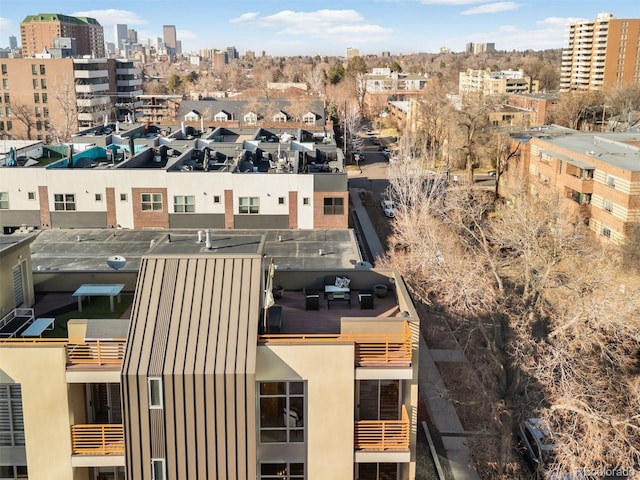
<point>309,27</point>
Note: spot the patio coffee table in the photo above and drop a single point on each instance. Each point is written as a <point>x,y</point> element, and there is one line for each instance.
<point>338,297</point>
<point>98,290</point>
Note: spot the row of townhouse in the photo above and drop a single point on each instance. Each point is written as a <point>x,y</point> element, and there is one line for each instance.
<point>598,174</point>
<point>146,177</point>
<point>199,383</point>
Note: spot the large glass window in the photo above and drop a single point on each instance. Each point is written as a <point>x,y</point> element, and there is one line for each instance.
<point>11,418</point>
<point>184,204</point>
<point>4,200</point>
<point>282,471</point>
<point>282,412</point>
<point>377,471</point>
<point>155,392</point>
<point>248,205</point>
<point>158,471</point>
<point>151,202</point>
<point>334,206</point>
<point>64,201</point>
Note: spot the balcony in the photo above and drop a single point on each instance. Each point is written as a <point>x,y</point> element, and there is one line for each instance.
<point>372,350</point>
<point>382,435</point>
<point>92,88</point>
<point>91,74</point>
<point>129,83</point>
<point>128,71</point>
<point>93,102</point>
<point>95,353</point>
<point>97,439</point>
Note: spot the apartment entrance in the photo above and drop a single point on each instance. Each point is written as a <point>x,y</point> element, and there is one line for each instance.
<point>107,473</point>
<point>378,400</point>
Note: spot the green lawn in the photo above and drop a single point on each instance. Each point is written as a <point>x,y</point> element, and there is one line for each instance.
<point>97,308</point>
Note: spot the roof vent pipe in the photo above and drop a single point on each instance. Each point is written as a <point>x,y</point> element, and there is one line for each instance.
<point>200,232</point>
<point>208,240</point>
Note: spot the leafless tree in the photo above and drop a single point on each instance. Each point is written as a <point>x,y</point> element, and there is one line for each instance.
<point>65,96</point>
<point>25,115</point>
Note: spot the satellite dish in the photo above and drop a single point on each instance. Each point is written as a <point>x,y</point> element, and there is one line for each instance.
<point>116,262</point>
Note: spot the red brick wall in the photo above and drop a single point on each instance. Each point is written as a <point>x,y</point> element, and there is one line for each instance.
<point>149,219</point>
<point>293,210</point>
<point>45,213</point>
<point>112,218</point>
<point>320,220</point>
<point>228,209</point>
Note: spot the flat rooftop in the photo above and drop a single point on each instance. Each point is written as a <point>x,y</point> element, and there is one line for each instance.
<point>89,249</point>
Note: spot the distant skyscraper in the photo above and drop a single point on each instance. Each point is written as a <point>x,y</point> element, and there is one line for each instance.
<point>13,42</point>
<point>169,36</point>
<point>352,52</point>
<point>120,36</point>
<point>38,31</point>
<point>232,53</point>
<point>133,36</point>
<point>601,53</point>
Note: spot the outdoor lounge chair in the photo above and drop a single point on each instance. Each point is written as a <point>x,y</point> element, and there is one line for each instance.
<point>311,299</point>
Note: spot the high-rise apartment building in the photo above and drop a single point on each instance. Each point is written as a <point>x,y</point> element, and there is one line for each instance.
<point>38,31</point>
<point>13,42</point>
<point>601,53</point>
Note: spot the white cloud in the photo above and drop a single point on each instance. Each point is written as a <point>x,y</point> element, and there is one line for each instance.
<point>558,22</point>
<point>112,16</point>
<point>245,17</point>
<point>550,34</point>
<point>5,23</point>
<point>337,25</point>
<point>186,35</point>
<point>451,3</point>
<point>491,8</point>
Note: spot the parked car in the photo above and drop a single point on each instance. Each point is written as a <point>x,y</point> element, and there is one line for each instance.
<point>376,141</point>
<point>491,173</point>
<point>537,444</point>
<point>388,208</point>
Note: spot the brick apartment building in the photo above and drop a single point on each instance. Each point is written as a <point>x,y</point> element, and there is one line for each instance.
<point>38,31</point>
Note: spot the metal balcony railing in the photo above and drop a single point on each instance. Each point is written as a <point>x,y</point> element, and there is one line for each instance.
<point>382,435</point>
<point>97,439</point>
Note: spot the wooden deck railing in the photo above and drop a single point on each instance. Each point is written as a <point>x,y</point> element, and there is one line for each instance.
<point>97,439</point>
<point>372,349</point>
<point>96,352</point>
<point>382,435</point>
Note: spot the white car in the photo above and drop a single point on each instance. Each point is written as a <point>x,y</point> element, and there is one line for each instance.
<point>388,208</point>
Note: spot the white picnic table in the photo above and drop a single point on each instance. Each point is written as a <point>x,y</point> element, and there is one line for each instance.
<point>98,290</point>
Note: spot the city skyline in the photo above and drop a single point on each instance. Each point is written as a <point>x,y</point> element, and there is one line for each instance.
<point>281,27</point>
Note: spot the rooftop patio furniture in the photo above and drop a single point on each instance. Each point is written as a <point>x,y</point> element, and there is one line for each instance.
<point>365,298</point>
<point>380,290</point>
<point>336,284</point>
<point>274,319</point>
<point>338,297</point>
<point>311,299</point>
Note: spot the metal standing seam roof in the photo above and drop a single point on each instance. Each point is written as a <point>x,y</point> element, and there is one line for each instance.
<point>195,315</point>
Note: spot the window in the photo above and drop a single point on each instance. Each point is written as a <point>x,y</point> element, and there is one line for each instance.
<point>36,98</point>
<point>155,392</point>
<point>4,200</point>
<point>281,201</point>
<point>7,98</point>
<point>98,197</point>
<point>281,471</point>
<point>45,111</point>
<point>611,181</point>
<point>607,206</point>
<point>184,204</point>
<point>306,201</point>
<point>45,98</point>
<point>216,199</point>
<point>606,232</point>
<point>38,112</point>
<point>249,205</point>
<point>282,409</point>
<point>152,202</point>
<point>4,69</point>
<point>31,195</point>
<point>42,70</point>
<point>64,201</point>
<point>5,83</point>
<point>35,84</point>
<point>334,206</point>
<point>43,83</point>
<point>157,469</point>
<point>11,418</point>
<point>9,122</point>
<point>123,197</point>
<point>38,125</point>
<point>34,69</point>
<point>13,471</point>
